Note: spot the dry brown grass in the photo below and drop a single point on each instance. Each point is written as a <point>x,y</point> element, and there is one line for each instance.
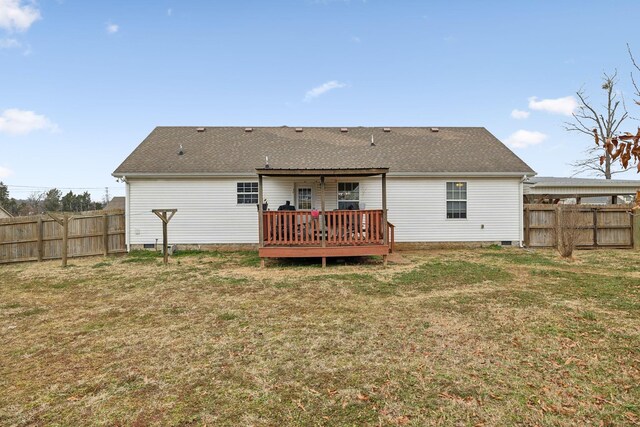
<point>454,337</point>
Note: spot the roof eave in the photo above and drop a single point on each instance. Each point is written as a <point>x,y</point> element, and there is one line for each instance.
<point>317,172</point>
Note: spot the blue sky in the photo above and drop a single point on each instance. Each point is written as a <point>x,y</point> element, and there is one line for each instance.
<point>83,82</point>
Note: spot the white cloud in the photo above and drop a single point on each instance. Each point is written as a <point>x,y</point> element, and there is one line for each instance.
<point>112,28</point>
<point>565,106</point>
<point>322,89</point>
<point>18,15</point>
<point>519,114</point>
<point>524,138</point>
<point>5,172</point>
<point>9,43</point>
<point>20,122</point>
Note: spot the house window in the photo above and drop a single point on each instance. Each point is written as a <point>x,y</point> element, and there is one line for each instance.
<point>348,195</point>
<point>456,200</point>
<point>247,193</point>
<point>304,198</point>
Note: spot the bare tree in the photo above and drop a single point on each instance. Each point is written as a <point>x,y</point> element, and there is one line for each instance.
<point>605,123</point>
<point>633,80</point>
<point>625,146</point>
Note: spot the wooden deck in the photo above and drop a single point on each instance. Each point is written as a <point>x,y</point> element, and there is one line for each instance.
<point>335,234</point>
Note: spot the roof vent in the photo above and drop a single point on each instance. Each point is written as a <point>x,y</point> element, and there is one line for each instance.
<point>201,129</point>
<point>181,151</point>
<point>435,130</point>
<point>344,130</point>
<point>248,129</point>
<point>386,129</point>
<point>298,129</point>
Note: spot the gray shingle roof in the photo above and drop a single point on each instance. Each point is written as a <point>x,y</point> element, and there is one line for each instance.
<point>552,181</point>
<point>229,150</point>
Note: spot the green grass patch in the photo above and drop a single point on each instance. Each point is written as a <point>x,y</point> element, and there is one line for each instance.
<point>227,316</point>
<point>190,253</point>
<point>521,257</point>
<point>30,312</point>
<point>143,253</point>
<point>451,273</point>
<point>101,264</point>
<point>620,292</point>
<point>361,283</point>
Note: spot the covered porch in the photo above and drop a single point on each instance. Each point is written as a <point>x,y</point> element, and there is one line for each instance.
<point>310,233</point>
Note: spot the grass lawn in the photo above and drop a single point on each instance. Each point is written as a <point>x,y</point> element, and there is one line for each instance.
<point>448,337</point>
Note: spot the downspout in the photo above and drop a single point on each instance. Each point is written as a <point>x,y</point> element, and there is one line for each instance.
<point>521,214</point>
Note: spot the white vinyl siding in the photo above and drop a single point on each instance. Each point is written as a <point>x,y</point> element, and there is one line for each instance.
<point>416,207</point>
<point>208,212</point>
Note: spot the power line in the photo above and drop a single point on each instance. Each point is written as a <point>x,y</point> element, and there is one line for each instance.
<point>46,187</point>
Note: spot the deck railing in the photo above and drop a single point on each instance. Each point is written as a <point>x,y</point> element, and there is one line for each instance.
<point>341,228</point>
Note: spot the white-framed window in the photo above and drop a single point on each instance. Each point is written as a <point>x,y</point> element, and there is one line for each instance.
<point>304,199</point>
<point>456,200</point>
<point>247,193</point>
<point>348,195</point>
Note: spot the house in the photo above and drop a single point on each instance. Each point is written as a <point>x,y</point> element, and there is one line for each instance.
<point>116,203</point>
<point>450,184</point>
<point>4,213</point>
<point>540,189</point>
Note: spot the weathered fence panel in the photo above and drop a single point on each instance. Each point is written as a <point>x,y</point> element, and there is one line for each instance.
<point>39,238</point>
<point>607,226</point>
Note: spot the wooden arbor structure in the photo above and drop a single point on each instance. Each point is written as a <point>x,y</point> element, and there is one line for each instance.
<point>338,233</point>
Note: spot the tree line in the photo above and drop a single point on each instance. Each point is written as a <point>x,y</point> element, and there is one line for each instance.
<point>47,201</point>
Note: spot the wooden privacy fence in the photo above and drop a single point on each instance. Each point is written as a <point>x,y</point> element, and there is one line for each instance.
<point>41,237</point>
<point>607,226</point>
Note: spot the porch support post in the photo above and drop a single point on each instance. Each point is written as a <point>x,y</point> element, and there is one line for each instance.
<point>260,218</point>
<point>385,231</point>
<point>322,222</point>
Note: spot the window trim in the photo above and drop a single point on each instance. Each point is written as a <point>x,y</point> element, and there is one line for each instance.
<point>297,194</point>
<point>338,193</point>
<point>238,193</point>
<point>447,200</point>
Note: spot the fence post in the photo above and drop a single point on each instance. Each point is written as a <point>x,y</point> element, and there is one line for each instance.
<point>527,232</point>
<point>595,228</point>
<point>558,227</point>
<point>39,234</point>
<point>105,234</point>
<point>65,239</point>
<point>636,229</point>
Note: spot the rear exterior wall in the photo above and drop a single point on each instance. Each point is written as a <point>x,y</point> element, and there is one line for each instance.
<point>208,212</point>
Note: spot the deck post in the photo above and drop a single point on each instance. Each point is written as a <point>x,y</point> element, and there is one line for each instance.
<point>385,232</point>
<point>260,215</point>
<point>322,222</point>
